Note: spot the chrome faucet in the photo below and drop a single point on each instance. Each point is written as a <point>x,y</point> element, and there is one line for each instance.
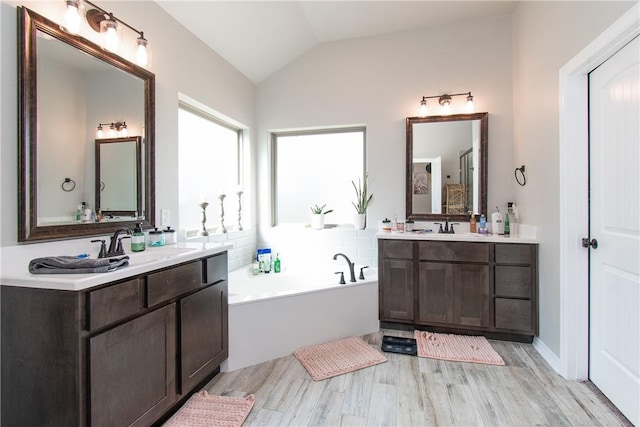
<point>351,265</point>
<point>115,245</point>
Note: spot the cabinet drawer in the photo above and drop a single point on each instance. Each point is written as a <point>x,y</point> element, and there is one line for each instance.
<point>215,268</point>
<point>513,281</point>
<point>397,249</point>
<point>167,284</point>
<point>110,304</point>
<point>514,314</point>
<point>454,251</point>
<point>512,253</point>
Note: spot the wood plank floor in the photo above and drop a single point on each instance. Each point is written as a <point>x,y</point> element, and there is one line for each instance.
<point>415,391</point>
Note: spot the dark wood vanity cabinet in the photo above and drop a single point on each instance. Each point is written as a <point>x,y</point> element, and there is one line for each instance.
<point>120,354</point>
<point>474,287</point>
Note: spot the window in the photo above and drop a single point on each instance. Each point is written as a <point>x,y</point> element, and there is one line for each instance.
<point>316,168</point>
<point>209,152</point>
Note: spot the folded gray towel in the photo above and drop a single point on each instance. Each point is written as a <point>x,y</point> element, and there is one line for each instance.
<point>73,265</point>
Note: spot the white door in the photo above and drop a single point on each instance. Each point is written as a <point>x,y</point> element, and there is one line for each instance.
<point>614,221</point>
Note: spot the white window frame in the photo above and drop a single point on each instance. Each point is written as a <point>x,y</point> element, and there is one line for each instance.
<point>303,132</point>
<point>231,198</point>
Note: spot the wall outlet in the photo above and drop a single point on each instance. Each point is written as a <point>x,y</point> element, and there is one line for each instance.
<point>166,218</point>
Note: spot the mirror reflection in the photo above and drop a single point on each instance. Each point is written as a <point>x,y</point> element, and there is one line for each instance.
<point>446,166</point>
<point>118,181</point>
<point>67,86</point>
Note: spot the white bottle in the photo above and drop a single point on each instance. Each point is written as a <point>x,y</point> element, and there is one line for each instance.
<point>497,225</point>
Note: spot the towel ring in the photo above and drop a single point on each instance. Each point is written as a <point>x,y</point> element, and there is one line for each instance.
<point>101,185</point>
<point>524,177</point>
<point>68,185</point>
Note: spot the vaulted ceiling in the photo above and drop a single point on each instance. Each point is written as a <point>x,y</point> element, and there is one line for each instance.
<point>260,37</point>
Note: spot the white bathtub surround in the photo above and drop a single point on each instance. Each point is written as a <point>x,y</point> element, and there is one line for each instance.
<point>272,315</point>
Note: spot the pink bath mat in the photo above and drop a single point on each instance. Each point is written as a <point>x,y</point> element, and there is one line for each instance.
<point>203,409</point>
<point>338,357</point>
<point>461,348</point>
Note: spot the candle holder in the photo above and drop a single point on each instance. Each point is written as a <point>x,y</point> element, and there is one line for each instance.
<point>203,219</point>
<point>239,193</point>
<point>223,229</point>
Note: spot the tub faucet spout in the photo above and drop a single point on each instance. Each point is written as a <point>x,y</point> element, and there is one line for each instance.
<point>351,265</point>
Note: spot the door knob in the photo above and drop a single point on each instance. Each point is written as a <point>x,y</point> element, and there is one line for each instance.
<point>586,243</point>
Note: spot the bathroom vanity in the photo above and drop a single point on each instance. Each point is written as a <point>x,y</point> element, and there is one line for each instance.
<point>113,349</point>
<point>459,283</point>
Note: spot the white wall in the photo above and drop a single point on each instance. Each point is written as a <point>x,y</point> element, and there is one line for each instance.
<point>181,63</point>
<point>378,82</point>
<point>546,35</point>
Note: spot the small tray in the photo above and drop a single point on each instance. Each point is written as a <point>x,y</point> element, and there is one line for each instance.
<point>399,345</point>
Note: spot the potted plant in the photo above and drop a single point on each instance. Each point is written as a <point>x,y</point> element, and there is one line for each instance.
<point>317,216</point>
<point>362,203</point>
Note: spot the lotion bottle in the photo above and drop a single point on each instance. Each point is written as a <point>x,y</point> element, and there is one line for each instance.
<point>472,224</point>
<point>497,226</point>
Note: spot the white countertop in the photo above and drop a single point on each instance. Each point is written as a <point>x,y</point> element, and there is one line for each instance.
<point>458,237</point>
<point>15,265</point>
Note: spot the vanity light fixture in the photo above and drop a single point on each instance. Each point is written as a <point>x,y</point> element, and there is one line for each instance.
<point>445,103</point>
<point>116,130</point>
<point>72,17</point>
<point>106,23</point>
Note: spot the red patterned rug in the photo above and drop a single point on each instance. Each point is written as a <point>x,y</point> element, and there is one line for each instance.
<point>338,357</point>
<point>461,348</point>
<point>203,409</point>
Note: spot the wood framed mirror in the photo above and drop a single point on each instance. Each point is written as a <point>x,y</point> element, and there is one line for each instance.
<point>446,166</point>
<point>118,183</point>
<point>67,85</point>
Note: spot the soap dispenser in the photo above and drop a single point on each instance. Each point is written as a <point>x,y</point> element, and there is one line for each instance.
<point>137,239</point>
<point>472,223</point>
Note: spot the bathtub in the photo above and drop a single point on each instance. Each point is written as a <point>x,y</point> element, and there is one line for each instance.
<point>272,315</point>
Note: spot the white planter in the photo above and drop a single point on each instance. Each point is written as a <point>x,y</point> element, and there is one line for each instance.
<point>317,221</point>
<point>359,221</point>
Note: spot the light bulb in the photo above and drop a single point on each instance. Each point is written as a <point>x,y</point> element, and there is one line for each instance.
<point>123,131</point>
<point>469,107</point>
<point>423,108</point>
<point>110,29</point>
<point>112,131</point>
<point>100,132</point>
<point>72,17</point>
<point>142,57</point>
<point>446,108</point>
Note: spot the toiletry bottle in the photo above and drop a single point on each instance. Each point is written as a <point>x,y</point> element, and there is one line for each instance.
<point>507,228</point>
<point>472,224</point>
<point>497,226</point>
<point>513,221</point>
<point>483,225</point>
<point>276,264</point>
<point>255,267</point>
<point>137,239</point>
<point>79,213</point>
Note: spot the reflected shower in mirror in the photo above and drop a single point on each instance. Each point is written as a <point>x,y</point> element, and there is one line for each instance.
<point>446,166</point>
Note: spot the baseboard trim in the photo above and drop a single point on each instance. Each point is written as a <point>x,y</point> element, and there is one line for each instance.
<point>546,353</point>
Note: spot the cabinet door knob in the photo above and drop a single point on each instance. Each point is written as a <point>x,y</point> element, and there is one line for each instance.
<point>586,243</point>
